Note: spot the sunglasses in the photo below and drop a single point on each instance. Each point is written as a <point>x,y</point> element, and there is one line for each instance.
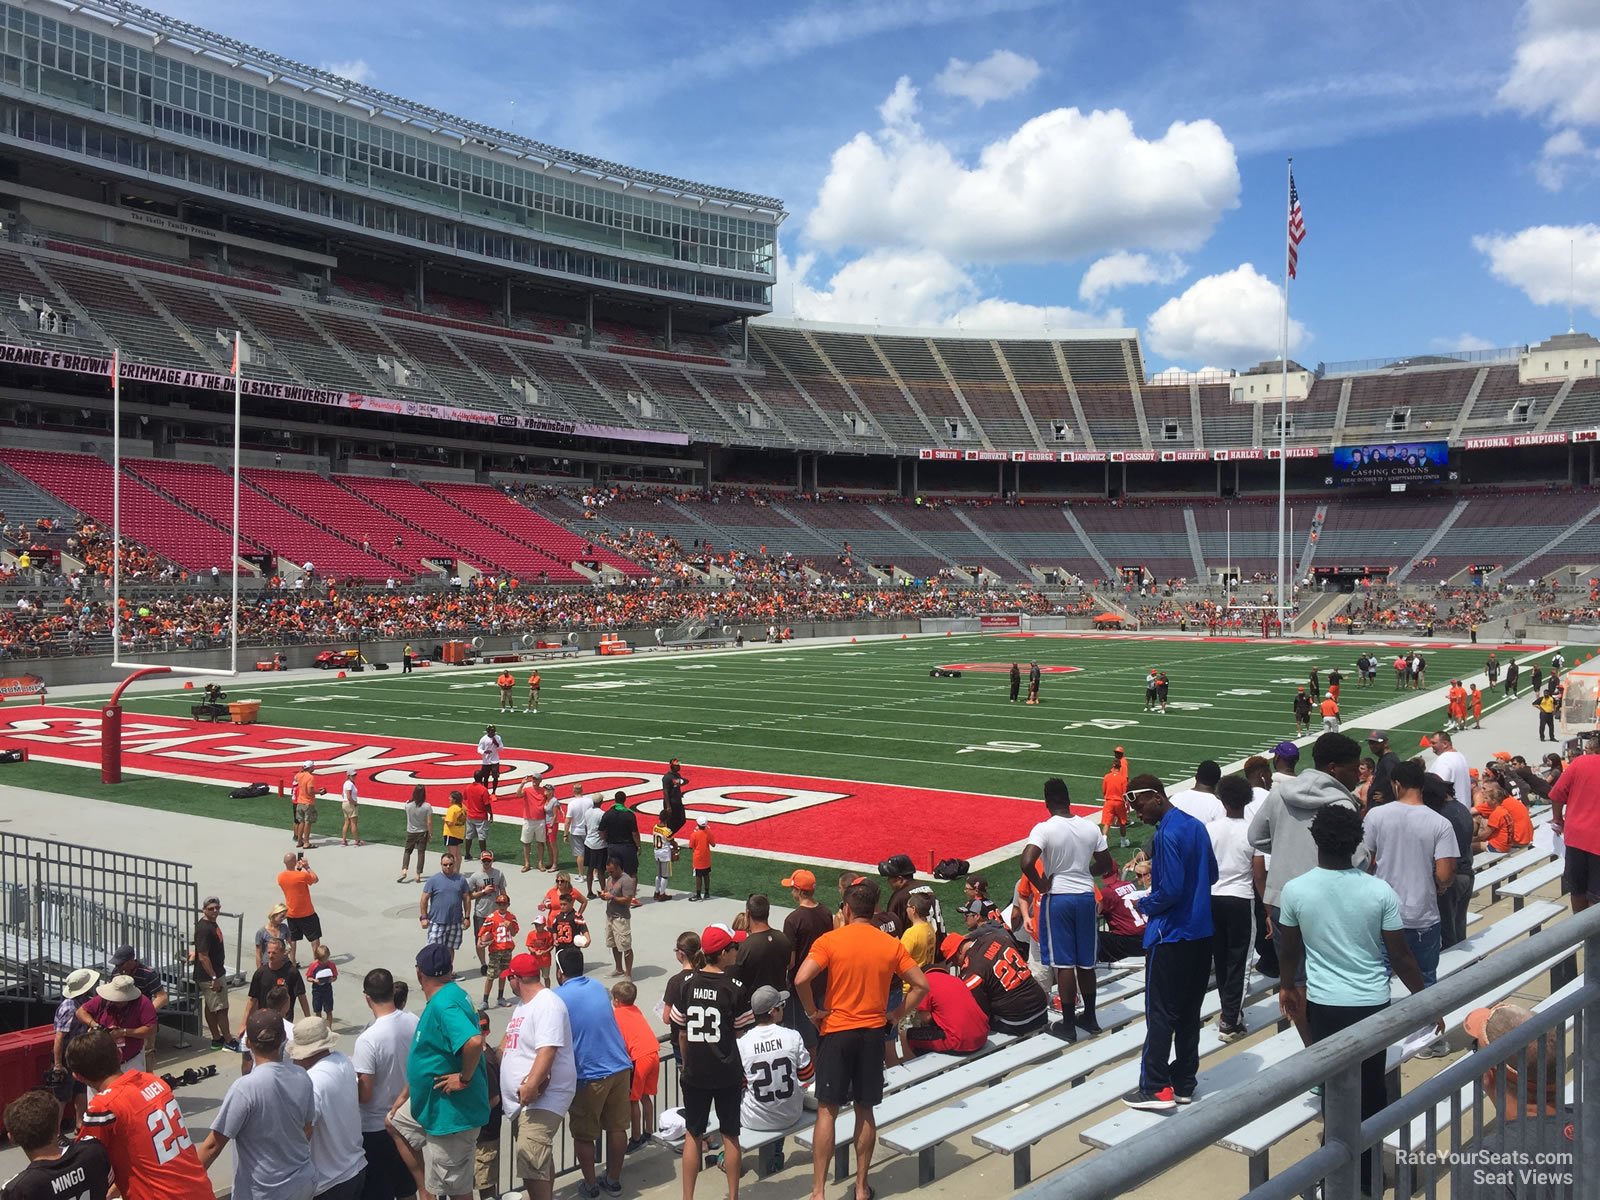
<point>1142,792</point>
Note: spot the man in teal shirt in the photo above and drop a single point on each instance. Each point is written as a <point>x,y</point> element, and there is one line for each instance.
<point>1341,921</point>
<point>446,1098</point>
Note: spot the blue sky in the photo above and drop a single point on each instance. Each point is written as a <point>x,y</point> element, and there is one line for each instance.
<point>1032,164</point>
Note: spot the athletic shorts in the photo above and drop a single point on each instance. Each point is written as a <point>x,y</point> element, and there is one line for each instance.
<point>347,808</point>
<point>478,830</point>
<point>645,1082</point>
<point>1582,874</point>
<point>697,1103</point>
<point>594,858</point>
<point>309,928</point>
<point>1113,812</point>
<point>1067,930</point>
<point>850,1066</point>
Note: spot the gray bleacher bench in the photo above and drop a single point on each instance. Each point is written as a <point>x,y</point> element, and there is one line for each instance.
<point>1506,868</point>
<point>1256,1139</point>
<point>1525,885</point>
<point>1065,1061</point>
<point>1018,1133</point>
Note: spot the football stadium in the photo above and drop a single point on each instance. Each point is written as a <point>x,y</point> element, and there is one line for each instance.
<point>377,482</point>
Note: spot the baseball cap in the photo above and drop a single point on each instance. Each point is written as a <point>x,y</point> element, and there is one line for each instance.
<point>978,908</point>
<point>1118,750</point>
<point>434,961</point>
<point>502,898</point>
<point>852,880</point>
<point>1502,755</point>
<point>308,764</point>
<point>1378,735</point>
<point>123,954</point>
<point>714,939</point>
<point>897,864</point>
<point>524,966</point>
<point>766,999</point>
<point>486,856</point>
<point>1287,751</point>
<point>1484,1025</point>
<point>209,901</point>
<point>264,1030</point>
<point>802,879</point>
<point>952,943</point>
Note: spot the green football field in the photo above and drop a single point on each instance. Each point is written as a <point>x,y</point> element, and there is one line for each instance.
<point>868,713</point>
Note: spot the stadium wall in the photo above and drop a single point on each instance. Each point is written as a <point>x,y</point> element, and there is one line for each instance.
<point>97,668</point>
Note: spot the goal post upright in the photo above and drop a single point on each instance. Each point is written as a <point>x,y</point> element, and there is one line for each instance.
<point>117,660</point>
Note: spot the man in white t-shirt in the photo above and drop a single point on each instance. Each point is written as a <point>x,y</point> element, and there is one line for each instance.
<point>777,1068</point>
<point>1450,765</point>
<point>1231,895</point>
<point>380,1063</point>
<point>578,821</point>
<point>489,747</point>
<point>538,1075</point>
<point>1200,801</point>
<point>1063,854</point>
<point>337,1154</point>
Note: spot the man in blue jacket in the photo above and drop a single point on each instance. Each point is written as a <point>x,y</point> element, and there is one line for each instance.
<point>1178,938</point>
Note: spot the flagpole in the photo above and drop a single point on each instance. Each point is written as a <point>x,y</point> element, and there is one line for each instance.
<point>116,505</point>
<point>233,623</point>
<point>1283,413</point>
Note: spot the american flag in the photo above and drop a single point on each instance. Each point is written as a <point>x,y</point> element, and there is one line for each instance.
<point>1297,226</point>
<point>234,369</point>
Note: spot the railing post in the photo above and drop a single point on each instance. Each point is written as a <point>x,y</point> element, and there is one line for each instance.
<point>1341,1125</point>
<point>1588,1109</point>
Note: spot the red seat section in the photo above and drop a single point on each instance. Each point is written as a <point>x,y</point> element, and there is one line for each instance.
<point>283,531</point>
<point>479,538</point>
<point>494,506</point>
<point>175,533</point>
<point>356,518</point>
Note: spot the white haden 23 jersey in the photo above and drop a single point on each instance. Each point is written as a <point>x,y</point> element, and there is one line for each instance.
<point>777,1070</point>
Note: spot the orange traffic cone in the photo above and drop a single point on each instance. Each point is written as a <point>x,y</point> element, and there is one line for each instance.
<point>188,685</point>
<point>340,675</point>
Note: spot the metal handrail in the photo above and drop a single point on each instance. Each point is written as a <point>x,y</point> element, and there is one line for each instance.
<point>1332,1062</point>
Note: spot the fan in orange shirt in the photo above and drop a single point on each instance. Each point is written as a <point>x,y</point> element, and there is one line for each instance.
<point>1114,787</point>
<point>506,682</point>
<point>533,693</point>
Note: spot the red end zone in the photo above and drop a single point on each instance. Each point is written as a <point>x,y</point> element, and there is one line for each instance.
<point>790,818</point>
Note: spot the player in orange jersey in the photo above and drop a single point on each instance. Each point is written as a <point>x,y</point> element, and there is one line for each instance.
<point>533,692</point>
<point>135,1117</point>
<point>1114,787</point>
<point>507,683</point>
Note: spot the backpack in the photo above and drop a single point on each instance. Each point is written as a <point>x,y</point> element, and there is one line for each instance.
<point>248,792</point>
<point>951,868</point>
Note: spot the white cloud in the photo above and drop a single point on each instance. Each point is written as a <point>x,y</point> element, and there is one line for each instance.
<point>918,289</point>
<point>1125,270</point>
<point>1065,184</point>
<point>1563,153</point>
<point>1462,343</point>
<point>1547,263</point>
<point>1233,317</point>
<point>999,77</point>
<point>357,70</point>
<point>1556,70</point>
